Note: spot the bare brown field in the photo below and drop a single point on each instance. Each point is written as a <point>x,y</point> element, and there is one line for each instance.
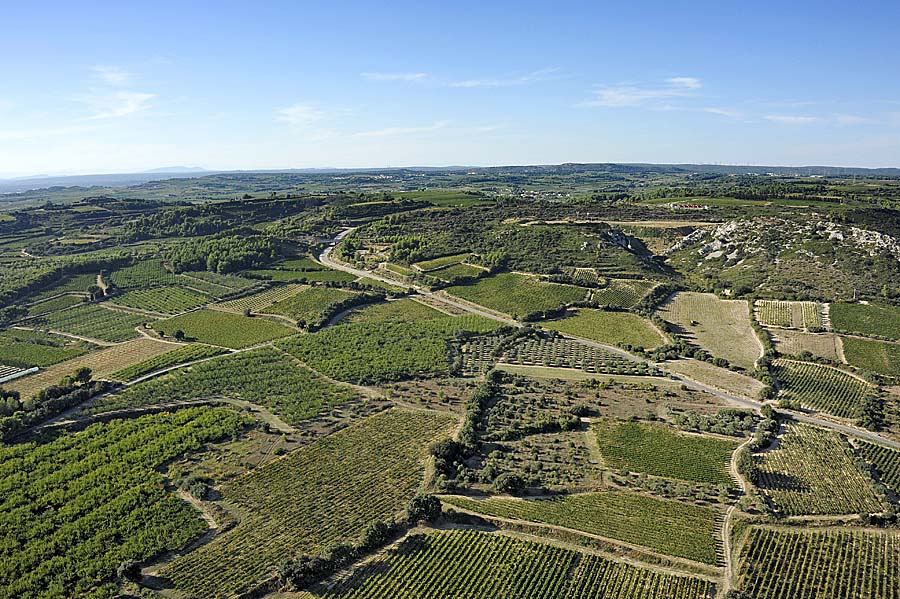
<point>721,327</point>
<point>718,378</point>
<point>793,343</point>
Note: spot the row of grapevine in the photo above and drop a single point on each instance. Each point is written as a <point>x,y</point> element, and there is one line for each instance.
<point>74,507</point>
<point>622,293</point>
<point>832,564</point>
<point>822,387</point>
<point>814,472</point>
<point>317,495</point>
<point>885,460</point>
<point>258,301</point>
<point>568,353</point>
<point>161,300</point>
<point>789,314</point>
<point>479,565</point>
<point>92,321</point>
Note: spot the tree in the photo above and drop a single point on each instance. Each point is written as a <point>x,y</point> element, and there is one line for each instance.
<point>178,334</point>
<point>83,375</point>
<point>509,483</point>
<point>423,507</point>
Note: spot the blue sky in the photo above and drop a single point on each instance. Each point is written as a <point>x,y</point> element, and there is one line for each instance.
<point>108,87</point>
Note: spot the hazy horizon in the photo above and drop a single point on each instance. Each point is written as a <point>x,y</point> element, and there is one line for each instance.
<point>228,86</point>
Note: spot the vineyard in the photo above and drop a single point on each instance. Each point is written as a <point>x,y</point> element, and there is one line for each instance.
<point>875,356</point>
<point>35,348</point>
<point>670,527</point>
<point>370,353</point>
<point>54,305</point>
<point>161,300</point>
<point>315,496</point>
<point>876,320</point>
<point>656,450</point>
<point>721,327</point>
<point>488,565</point>
<point>822,387</point>
<point>885,460</point>
<point>71,284</point>
<point>622,293</point>
<point>147,273</point>
<point>179,355</point>
<point>454,271</point>
<point>92,321</point>
<point>585,276</point>
<point>223,328</point>
<point>312,306</point>
<point>611,328</point>
<point>814,472</point>
<point>568,353</point>
<point>263,376</point>
<point>86,502</point>
<point>213,284</point>
<point>259,301</point>
<point>404,310</point>
<point>518,295</point>
<point>442,262</point>
<point>831,564</point>
<point>791,315</point>
<point>294,276</point>
<point>103,364</point>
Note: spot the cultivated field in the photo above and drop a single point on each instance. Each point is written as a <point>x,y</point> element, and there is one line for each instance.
<point>161,300</point>
<point>659,451</point>
<point>310,307</point>
<point>419,569</point>
<point>317,495</point>
<point>866,319</point>
<point>716,377</point>
<point>567,353</point>
<point>404,310</point>
<point>92,321</point>
<point>454,271</point>
<point>822,387</point>
<point>669,527</point>
<point>105,486</point>
<point>885,460</point>
<point>814,472</point>
<point>223,328</point>
<point>796,315</point>
<point>102,363</point>
<point>518,295</point>
<point>441,262</point>
<point>178,355</point>
<point>263,376</point>
<point>794,343</point>
<point>721,327</point>
<point>612,328</point>
<point>147,273</point>
<point>622,293</point>
<point>35,348</point>
<point>875,356</point>
<point>829,564</point>
<point>55,304</point>
<point>259,301</point>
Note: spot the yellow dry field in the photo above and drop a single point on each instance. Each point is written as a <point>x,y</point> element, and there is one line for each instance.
<point>713,376</point>
<point>794,343</point>
<point>721,327</point>
<point>102,363</point>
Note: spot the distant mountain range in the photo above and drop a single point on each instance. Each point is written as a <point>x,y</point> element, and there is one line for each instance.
<point>22,184</point>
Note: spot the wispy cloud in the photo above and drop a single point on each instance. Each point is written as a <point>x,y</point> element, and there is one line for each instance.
<point>38,133</point>
<point>684,82</point>
<point>378,76</point>
<point>851,119</point>
<point>111,75</point>
<point>791,119</point>
<point>527,78</point>
<point>627,95</point>
<point>398,131</point>
<point>299,115</point>
<point>118,103</point>
<point>727,112</point>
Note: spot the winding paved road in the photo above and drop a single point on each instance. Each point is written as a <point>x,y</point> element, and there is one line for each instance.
<point>744,402</point>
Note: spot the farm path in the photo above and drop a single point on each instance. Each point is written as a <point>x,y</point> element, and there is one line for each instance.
<point>728,576</point>
<point>71,336</point>
<point>326,259</point>
<point>692,565</point>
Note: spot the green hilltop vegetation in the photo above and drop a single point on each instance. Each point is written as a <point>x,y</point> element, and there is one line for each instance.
<point>629,381</point>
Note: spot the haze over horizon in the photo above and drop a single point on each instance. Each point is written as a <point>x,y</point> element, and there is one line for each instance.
<point>228,86</point>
